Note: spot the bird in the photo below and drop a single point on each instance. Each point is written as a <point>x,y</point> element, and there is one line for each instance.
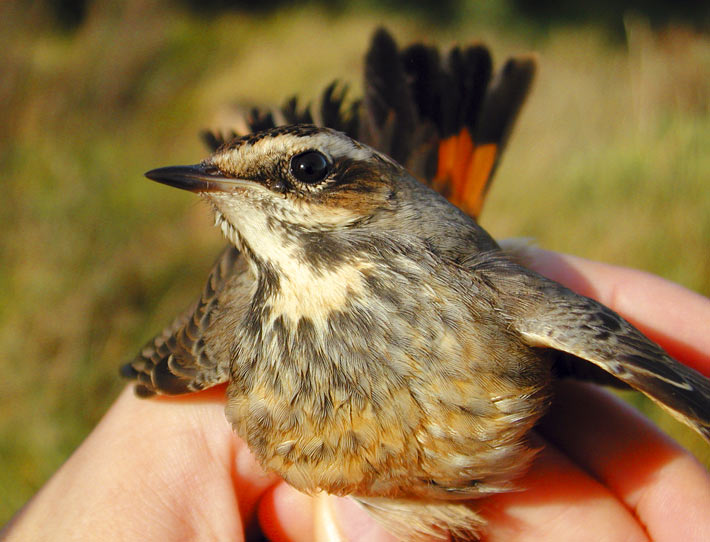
<point>375,340</point>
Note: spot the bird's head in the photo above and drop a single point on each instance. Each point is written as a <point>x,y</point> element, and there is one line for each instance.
<point>291,180</point>
<point>302,175</point>
<point>303,193</point>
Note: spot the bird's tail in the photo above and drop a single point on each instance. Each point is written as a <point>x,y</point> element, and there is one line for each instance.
<point>447,119</point>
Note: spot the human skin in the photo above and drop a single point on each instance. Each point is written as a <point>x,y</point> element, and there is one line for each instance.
<point>172,468</point>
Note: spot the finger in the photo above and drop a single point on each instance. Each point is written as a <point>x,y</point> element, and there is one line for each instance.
<point>357,524</point>
<point>664,486</point>
<point>159,469</point>
<point>287,515</point>
<point>558,502</point>
<point>671,315</point>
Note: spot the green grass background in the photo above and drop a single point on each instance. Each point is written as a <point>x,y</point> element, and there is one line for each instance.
<point>609,161</point>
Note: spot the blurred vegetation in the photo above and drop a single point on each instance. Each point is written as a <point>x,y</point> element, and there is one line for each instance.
<point>610,161</point>
<point>608,13</point>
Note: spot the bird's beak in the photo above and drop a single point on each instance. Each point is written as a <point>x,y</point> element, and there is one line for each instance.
<point>196,178</point>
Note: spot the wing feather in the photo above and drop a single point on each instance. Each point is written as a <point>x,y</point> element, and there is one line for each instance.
<point>588,330</point>
<point>179,360</point>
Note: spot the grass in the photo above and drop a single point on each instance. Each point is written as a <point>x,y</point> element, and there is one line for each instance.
<point>609,161</point>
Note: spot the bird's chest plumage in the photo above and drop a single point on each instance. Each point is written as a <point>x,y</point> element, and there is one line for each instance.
<point>359,382</point>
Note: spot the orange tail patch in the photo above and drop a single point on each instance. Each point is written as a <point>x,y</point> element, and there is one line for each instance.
<point>463,171</point>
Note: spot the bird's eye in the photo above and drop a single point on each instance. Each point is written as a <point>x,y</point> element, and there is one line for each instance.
<point>309,167</point>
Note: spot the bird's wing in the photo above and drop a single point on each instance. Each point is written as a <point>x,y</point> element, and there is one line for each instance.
<point>560,319</point>
<point>446,120</point>
<point>180,360</point>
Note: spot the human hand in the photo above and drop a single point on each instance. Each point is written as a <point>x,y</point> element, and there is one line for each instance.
<point>172,469</point>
